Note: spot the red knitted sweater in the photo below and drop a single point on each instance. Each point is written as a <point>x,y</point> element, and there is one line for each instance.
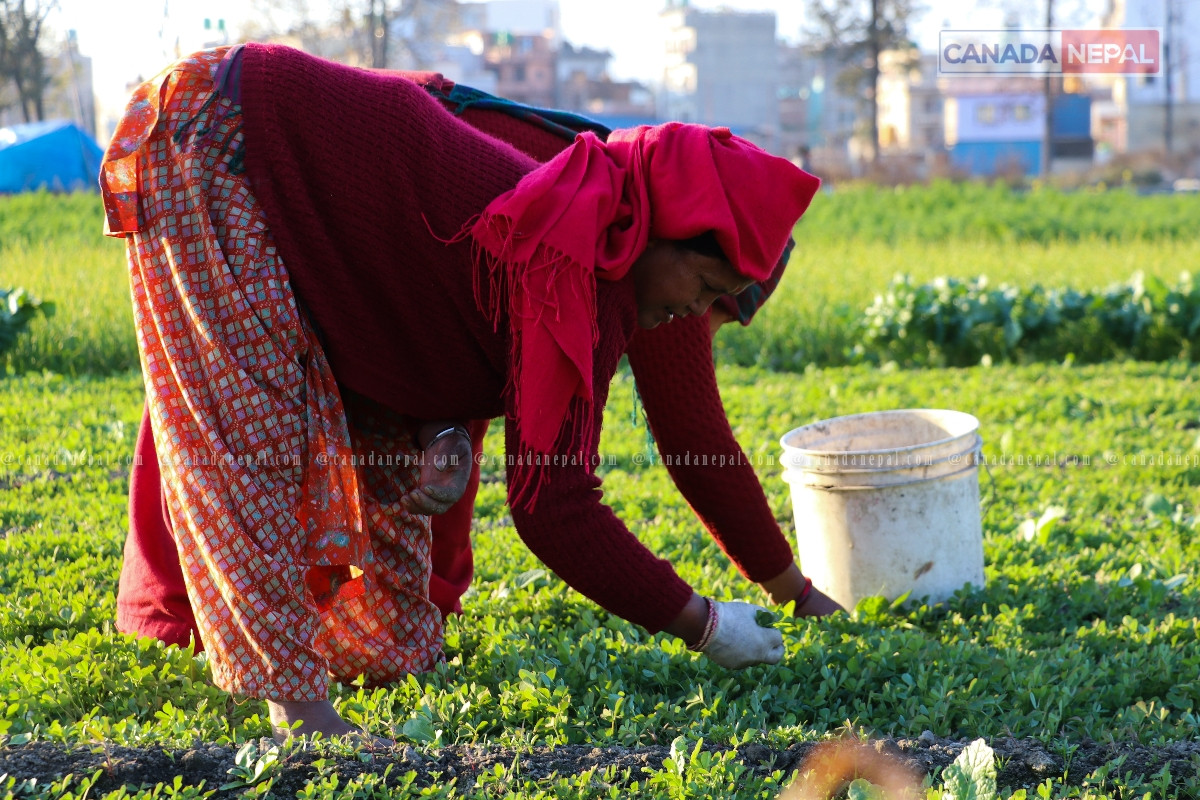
<point>363,177</point>
<point>673,366</point>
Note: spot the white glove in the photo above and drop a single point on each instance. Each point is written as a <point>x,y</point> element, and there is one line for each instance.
<point>739,641</point>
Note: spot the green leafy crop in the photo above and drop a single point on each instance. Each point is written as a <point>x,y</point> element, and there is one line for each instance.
<point>17,310</point>
<point>766,619</point>
<point>951,322</point>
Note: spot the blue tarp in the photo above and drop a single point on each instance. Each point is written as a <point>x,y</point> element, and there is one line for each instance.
<point>56,155</point>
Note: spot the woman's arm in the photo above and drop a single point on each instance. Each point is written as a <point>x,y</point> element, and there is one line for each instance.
<point>673,366</point>
<point>569,528</point>
<point>583,542</point>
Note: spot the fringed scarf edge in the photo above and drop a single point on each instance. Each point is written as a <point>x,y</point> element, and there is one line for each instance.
<point>500,285</point>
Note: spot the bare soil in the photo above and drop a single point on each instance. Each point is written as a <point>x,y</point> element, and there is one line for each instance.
<point>1020,763</point>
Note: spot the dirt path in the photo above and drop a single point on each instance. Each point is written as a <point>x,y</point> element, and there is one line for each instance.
<point>1021,763</point>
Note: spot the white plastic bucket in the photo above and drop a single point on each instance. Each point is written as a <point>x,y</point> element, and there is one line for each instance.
<point>887,503</point>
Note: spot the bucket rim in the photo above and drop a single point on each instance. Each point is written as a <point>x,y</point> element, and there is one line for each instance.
<point>973,428</point>
<point>819,465</point>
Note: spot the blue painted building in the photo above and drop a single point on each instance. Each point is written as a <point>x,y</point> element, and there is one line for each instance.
<point>992,133</point>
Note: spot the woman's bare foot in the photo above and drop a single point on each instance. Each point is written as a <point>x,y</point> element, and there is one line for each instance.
<point>290,719</point>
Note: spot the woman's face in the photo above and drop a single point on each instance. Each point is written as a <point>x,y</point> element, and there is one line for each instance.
<point>671,281</point>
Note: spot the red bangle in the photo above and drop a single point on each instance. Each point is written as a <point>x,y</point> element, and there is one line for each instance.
<point>710,628</point>
<point>805,593</point>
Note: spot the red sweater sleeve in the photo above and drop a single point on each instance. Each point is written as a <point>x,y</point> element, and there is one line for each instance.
<point>570,529</point>
<point>673,366</point>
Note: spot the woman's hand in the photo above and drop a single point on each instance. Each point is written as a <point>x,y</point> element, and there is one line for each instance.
<point>445,469</point>
<point>817,604</point>
<point>790,585</point>
<point>739,640</point>
<point>728,633</point>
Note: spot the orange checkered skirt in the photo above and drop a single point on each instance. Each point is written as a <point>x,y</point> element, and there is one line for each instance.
<point>284,494</point>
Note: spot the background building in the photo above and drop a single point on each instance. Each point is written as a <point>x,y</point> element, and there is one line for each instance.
<point>585,86</point>
<point>520,41</point>
<point>813,114</point>
<point>911,117</point>
<point>721,68</point>
<point>726,67</point>
<point>996,125</point>
<point>524,66</point>
<point>1146,101</point>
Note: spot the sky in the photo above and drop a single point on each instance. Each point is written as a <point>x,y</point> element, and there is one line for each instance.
<point>127,45</point>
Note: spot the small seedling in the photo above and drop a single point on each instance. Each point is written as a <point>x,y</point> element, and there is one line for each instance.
<point>252,768</point>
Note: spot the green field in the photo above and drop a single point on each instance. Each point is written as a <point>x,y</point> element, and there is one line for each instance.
<point>1085,637</point>
<point>849,245</point>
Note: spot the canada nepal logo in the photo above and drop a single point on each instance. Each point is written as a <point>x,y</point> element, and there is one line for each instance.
<point>1102,51</point>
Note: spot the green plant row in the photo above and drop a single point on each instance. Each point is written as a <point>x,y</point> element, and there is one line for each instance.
<point>691,770</point>
<point>997,213</point>
<point>932,213</point>
<point>17,309</point>
<point>52,246</point>
<point>952,322</point>
<point>35,217</point>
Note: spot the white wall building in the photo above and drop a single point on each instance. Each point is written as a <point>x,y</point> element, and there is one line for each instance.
<point>524,17</point>
<point>721,68</point>
<point>910,103</point>
<point>1143,98</point>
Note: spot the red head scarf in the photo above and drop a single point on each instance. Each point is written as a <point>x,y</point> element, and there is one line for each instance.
<point>589,213</point>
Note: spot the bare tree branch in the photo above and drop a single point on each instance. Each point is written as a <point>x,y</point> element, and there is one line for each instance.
<point>376,33</point>
<point>22,62</point>
<point>857,33</point>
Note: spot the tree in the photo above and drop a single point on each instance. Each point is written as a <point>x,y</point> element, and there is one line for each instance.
<point>361,32</point>
<point>22,62</point>
<point>422,25</point>
<point>858,32</point>
<point>377,26</point>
